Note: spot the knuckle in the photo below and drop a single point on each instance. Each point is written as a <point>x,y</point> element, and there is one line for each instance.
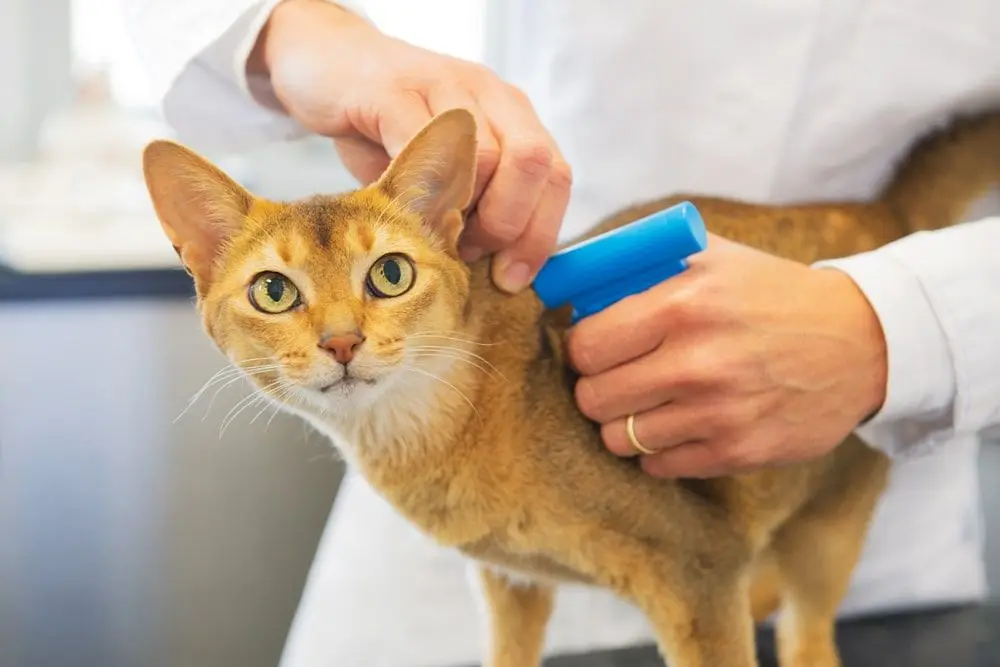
<point>532,159</point>
<point>737,455</point>
<point>403,82</point>
<point>588,399</point>
<point>614,438</point>
<point>707,367</point>
<point>476,75</point>
<point>487,159</point>
<point>685,304</point>
<point>519,95</point>
<point>501,226</point>
<point>578,348</point>
<point>689,373</point>
<point>561,175</point>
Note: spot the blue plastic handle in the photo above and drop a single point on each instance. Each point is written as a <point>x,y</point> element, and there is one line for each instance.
<point>598,272</point>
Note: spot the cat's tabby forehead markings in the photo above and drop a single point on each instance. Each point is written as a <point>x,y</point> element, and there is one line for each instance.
<point>325,218</point>
<point>327,223</point>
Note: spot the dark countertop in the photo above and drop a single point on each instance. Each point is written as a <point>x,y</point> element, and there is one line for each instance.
<point>961,637</point>
<point>139,283</point>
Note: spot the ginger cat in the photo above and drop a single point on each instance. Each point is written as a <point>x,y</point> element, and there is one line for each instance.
<point>455,401</point>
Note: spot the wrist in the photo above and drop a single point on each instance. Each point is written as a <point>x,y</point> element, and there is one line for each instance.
<point>859,324</point>
<point>293,22</point>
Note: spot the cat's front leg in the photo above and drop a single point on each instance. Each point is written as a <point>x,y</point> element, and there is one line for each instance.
<point>518,616</point>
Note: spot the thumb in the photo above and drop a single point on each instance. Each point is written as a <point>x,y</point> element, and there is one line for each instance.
<point>398,119</point>
<point>380,138</point>
<point>364,159</point>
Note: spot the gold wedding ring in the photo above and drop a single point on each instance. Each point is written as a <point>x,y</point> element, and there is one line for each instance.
<point>630,431</point>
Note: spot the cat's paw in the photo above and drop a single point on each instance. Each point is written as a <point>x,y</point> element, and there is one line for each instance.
<point>815,655</point>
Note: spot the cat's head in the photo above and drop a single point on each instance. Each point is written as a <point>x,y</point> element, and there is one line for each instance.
<point>327,302</point>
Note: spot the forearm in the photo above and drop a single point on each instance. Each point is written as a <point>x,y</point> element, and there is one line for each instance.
<point>206,62</point>
<point>935,295</point>
<point>290,22</point>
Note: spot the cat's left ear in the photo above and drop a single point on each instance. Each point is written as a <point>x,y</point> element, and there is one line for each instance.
<point>435,174</point>
<point>199,207</point>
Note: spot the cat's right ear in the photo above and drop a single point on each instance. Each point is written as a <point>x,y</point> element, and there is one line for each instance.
<point>199,207</point>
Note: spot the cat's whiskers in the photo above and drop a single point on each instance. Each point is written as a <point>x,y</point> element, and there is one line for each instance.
<point>240,375</point>
<point>228,375</point>
<point>246,402</point>
<point>395,418</point>
<point>283,393</point>
<point>415,369</point>
<point>450,335</point>
<point>224,372</point>
<point>241,405</point>
<point>476,361</point>
<point>278,408</point>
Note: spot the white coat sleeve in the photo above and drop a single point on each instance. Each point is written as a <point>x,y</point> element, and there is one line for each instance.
<point>195,53</point>
<point>937,296</point>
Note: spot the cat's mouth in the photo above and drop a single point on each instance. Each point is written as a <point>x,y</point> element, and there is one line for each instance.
<point>346,383</point>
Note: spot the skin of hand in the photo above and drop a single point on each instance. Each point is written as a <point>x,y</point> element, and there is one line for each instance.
<point>340,77</point>
<point>743,361</point>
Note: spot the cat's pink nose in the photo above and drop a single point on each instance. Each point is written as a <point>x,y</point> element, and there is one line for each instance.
<point>342,346</point>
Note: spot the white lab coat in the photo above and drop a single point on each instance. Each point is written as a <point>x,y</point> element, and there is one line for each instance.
<point>770,102</point>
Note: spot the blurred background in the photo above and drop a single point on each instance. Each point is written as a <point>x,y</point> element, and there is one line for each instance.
<point>132,534</point>
<point>128,536</point>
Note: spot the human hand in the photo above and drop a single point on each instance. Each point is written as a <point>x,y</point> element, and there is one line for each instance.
<point>340,77</point>
<point>744,360</point>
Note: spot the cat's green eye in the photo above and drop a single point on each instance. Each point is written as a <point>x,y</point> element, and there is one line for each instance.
<point>391,275</point>
<point>273,293</point>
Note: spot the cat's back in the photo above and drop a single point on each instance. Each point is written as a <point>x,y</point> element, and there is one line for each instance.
<point>806,233</point>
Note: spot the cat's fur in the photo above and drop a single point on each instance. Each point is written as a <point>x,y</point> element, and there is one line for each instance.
<point>463,415</point>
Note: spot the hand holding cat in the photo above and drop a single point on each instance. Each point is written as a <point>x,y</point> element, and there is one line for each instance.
<point>743,361</point>
<point>340,77</point>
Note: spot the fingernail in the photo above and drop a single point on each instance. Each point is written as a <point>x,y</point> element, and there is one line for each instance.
<point>515,277</point>
<point>470,253</point>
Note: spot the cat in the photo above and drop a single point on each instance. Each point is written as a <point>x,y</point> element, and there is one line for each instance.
<point>455,399</point>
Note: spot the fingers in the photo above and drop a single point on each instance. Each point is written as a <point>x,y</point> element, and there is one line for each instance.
<point>660,429</point>
<point>712,458</point>
<point>620,333</point>
<point>623,390</point>
<point>691,441</point>
<point>399,118</point>
<point>522,184</point>
<point>698,460</point>
<point>517,265</point>
<point>512,194</point>
<point>365,160</point>
<point>442,98</point>
<point>522,206</point>
<point>366,153</point>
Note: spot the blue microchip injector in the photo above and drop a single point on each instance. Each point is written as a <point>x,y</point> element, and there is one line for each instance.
<point>598,272</point>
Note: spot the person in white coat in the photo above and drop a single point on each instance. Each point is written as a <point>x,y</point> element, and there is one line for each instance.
<point>767,102</point>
